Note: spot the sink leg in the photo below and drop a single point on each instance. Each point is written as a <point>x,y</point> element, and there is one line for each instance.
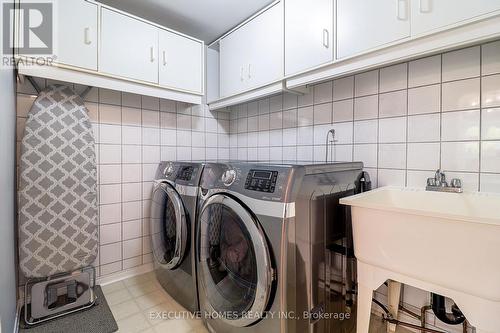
<point>393,297</point>
<point>365,295</point>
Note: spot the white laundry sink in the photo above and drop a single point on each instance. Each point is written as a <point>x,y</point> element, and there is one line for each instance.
<point>446,243</point>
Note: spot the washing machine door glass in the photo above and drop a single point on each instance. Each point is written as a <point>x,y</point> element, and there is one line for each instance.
<point>234,261</point>
<point>168,226</point>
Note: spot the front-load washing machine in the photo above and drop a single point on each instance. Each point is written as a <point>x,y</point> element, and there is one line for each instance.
<point>173,214</point>
<point>266,239</point>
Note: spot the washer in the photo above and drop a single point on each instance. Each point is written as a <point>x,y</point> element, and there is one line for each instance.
<point>173,213</point>
<point>263,256</point>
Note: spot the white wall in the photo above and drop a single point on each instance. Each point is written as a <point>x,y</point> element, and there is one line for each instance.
<point>7,202</point>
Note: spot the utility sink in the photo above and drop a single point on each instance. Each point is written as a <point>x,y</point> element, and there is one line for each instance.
<point>446,243</point>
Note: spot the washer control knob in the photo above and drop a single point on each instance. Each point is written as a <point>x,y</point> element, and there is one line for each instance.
<point>169,169</point>
<point>228,177</point>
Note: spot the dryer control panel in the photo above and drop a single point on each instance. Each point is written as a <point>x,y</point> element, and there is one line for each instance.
<point>261,180</point>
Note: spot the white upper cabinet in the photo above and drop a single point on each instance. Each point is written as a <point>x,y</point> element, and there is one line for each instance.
<point>363,25</point>
<point>308,34</point>
<point>252,55</point>
<point>77,41</point>
<point>180,62</point>
<point>129,47</point>
<point>428,15</point>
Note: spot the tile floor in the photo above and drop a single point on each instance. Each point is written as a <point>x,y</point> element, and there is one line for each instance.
<point>135,301</point>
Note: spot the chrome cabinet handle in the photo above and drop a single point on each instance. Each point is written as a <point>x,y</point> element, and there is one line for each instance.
<point>425,6</point>
<point>164,58</point>
<point>242,69</point>
<point>326,38</point>
<point>402,10</point>
<point>152,54</point>
<point>87,39</point>
<point>249,74</point>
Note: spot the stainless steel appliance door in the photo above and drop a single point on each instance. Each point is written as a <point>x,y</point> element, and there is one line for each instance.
<point>234,261</point>
<point>168,226</point>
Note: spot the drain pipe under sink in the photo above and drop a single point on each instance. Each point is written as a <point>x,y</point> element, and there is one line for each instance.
<point>455,317</point>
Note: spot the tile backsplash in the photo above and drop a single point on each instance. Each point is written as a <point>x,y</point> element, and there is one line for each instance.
<point>133,134</point>
<point>403,121</point>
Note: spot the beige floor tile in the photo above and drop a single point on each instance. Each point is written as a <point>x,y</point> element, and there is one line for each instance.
<point>139,279</point>
<point>125,309</point>
<point>174,325</point>
<point>133,324</point>
<point>111,288</point>
<point>143,288</point>
<point>118,297</point>
<point>149,300</point>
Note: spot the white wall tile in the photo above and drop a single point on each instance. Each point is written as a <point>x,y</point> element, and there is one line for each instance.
<point>366,83</point>
<point>490,156</point>
<point>322,114</point>
<point>424,128</point>
<point>366,131</point>
<point>343,88</point>
<point>304,153</point>
<point>393,104</point>
<point>131,100</point>
<point>276,138</point>
<point>461,126</point>
<point>389,177</point>
<point>366,153</point>
<point>323,92</point>
<point>392,156</point>
<point>394,78</point>
<point>131,135</point>
<point>276,120</point>
<point>392,130</point>
<point>110,174</point>
<point>417,179</point>
<point>107,96</point>
<point>110,253</point>
<point>110,134</point>
<point>110,233</point>
<point>110,213</point>
<point>132,248</point>
<point>131,210</point>
<point>491,91</point>
<point>275,103</point>
<point>290,137</point>
<point>110,114</point>
<point>289,118</point>
<point>462,64</point>
<point>131,192</point>
<point>305,116</point>
<point>366,107</point>
<point>470,181</point>
<point>491,58</point>
<point>460,156</point>
<point>151,136</point>
<point>150,118</point>
<point>423,156</point>
<point>131,154</point>
<point>461,95</point>
<point>424,71</point>
<point>264,122</point>
<point>343,133</point>
<point>490,182</point>
<point>131,116</point>
<point>343,110</point>
<point>343,153</point>
<point>320,132</point>
<point>305,136</point>
<point>426,99</point>
<point>290,153</point>
<point>109,194</point>
<point>490,124</point>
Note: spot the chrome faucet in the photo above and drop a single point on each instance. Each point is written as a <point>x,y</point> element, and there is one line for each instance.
<point>332,141</point>
<point>439,183</point>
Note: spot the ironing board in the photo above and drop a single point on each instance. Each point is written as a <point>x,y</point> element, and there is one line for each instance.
<point>58,208</point>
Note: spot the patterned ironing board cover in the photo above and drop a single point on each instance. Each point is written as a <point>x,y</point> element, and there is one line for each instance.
<point>58,208</point>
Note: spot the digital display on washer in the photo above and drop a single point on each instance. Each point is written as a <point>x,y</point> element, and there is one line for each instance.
<point>261,180</point>
<point>262,174</point>
<point>185,173</point>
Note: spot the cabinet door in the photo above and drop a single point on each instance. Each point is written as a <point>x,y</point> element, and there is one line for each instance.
<point>76,34</point>
<point>366,24</point>
<point>266,41</point>
<point>180,62</point>
<point>428,15</point>
<point>129,47</point>
<point>308,34</point>
<point>252,55</point>
<point>234,51</point>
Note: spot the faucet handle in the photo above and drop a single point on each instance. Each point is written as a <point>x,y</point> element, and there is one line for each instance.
<point>456,183</point>
<point>431,182</point>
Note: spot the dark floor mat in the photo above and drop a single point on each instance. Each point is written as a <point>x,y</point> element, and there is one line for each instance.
<point>97,319</point>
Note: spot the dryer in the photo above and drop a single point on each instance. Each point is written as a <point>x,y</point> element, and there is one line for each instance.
<point>263,238</point>
<point>173,214</point>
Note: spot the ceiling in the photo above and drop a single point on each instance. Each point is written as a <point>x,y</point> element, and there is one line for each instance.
<point>203,19</point>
